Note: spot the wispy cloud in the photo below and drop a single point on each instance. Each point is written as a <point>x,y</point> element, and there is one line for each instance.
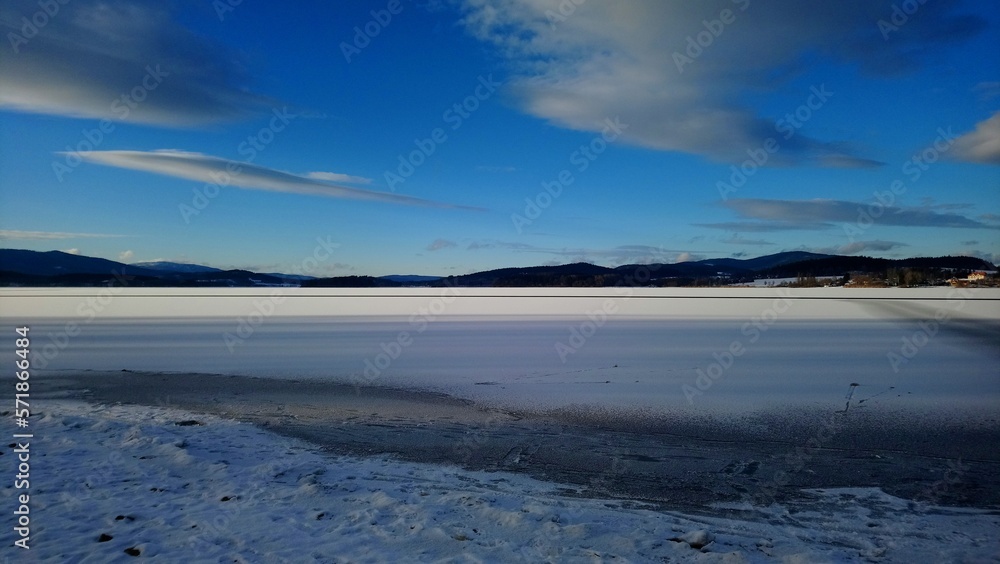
<point>861,247</point>
<point>50,235</point>
<point>494,244</point>
<point>504,169</point>
<point>614,256</point>
<point>993,258</point>
<point>987,90</point>
<point>617,59</point>
<point>765,227</point>
<point>982,145</point>
<point>337,177</point>
<point>123,61</point>
<point>209,169</point>
<point>790,215</point>
<point>439,244</point>
<point>842,160</point>
<point>737,240</point>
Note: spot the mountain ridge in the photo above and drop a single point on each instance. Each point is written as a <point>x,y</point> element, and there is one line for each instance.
<point>54,268</point>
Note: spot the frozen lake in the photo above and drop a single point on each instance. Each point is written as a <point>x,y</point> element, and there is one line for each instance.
<point>729,404</point>
<point>664,350</point>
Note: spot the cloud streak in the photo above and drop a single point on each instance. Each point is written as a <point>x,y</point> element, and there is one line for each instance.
<point>214,170</point>
<point>789,215</point>
<point>614,256</point>
<point>9,234</point>
<point>617,59</point>
<point>860,247</point>
<point>736,240</point>
<point>92,60</point>
<point>337,177</point>
<point>766,227</point>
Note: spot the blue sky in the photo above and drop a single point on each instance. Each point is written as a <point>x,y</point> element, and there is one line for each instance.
<point>420,136</point>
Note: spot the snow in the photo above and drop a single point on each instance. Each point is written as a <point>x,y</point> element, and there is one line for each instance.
<point>216,490</point>
<point>436,303</point>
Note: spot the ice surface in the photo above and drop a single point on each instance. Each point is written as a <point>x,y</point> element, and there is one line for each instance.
<point>659,364</point>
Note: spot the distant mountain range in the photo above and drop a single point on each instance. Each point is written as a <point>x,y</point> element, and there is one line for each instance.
<point>176,267</point>
<point>56,268</point>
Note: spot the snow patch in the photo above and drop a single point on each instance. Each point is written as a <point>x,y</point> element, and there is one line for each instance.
<point>111,481</point>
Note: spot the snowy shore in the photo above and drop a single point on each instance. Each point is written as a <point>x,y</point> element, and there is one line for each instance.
<point>110,481</point>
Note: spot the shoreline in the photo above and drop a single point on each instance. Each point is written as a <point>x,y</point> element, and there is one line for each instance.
<point>682,462</point>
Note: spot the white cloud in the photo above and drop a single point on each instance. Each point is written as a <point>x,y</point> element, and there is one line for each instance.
<point>687,257</point>
<point>46,235</point>
<point>73,251</point>
<point>981,145</point>
<point>93,52</point>
<point>126,256</point>
<point>609,59</point>
<point>208,169</point>
<point>338,177</point>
